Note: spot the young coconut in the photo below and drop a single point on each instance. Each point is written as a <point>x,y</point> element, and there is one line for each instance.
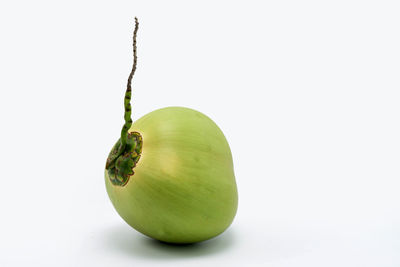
<point>170,175</point>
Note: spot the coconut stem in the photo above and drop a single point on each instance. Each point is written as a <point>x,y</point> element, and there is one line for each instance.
<point>128,93</point>
<point>126,153</point>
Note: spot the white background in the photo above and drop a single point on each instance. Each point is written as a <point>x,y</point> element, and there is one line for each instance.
<point>306,92</point>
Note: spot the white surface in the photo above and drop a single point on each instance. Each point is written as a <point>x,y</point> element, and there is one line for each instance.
<point>306,92</point>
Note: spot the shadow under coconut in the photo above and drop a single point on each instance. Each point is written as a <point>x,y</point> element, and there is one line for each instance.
<point>123,239</point>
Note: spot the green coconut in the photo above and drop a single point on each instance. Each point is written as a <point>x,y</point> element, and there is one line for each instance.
<point>170,176</point>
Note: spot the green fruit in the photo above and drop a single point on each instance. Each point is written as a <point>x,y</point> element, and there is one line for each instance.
<point>183,188</point>
<point>170,175</point>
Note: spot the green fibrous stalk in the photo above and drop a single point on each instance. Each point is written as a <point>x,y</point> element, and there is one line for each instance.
<point>126,152</point>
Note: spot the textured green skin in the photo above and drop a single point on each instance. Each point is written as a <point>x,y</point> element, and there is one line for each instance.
<point>184,188</point>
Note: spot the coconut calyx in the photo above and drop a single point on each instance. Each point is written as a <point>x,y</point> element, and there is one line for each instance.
<point>123,159</point>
